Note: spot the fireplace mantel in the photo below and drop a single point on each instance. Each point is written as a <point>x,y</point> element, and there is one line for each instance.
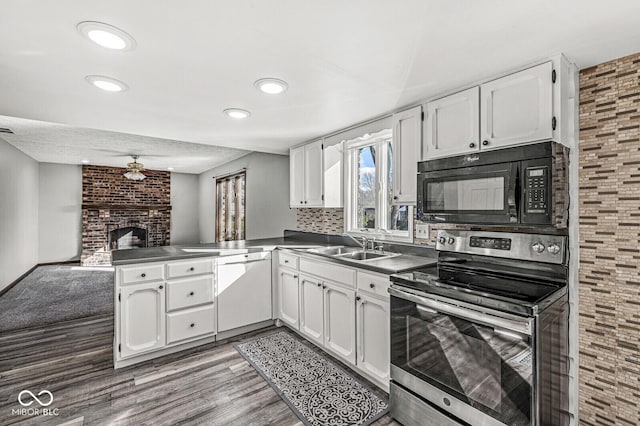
<point>126,206</point>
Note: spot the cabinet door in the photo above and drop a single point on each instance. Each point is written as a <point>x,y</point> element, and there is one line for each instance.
<point>452,125</point>
<point>313,174</point>
<point>142,318</point>
<point>340,321</point>
<point>407,142</point>
<point>296,177</point>
<point>373,337</point>
<point>288,295</point>
<point>243,293</point>
<point>517,108</point>
<point>311,308</point>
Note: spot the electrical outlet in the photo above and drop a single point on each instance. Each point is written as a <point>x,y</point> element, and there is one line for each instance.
<point>422,231</point>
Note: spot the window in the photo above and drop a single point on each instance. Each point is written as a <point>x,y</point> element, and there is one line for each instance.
<point>369,181</point>
<point>230,207</point>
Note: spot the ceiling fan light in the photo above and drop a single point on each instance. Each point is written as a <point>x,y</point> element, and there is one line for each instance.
<point>134,175</point>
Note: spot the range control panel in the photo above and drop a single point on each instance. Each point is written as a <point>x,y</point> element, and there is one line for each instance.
<point>535,247</point>
<point>537,188</point>
<point>490,243</point>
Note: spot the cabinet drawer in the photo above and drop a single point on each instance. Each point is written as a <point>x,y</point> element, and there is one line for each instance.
<point>330,271</point>
<point>190,323</point>
<point>287,259</point>
<point>190,267</point>
<point>189,292</point>
<point>373,283</point>
<point>142,273</point>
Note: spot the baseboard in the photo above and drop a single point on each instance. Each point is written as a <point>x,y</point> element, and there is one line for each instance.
<point>20,278</point>
<point>66,262</point>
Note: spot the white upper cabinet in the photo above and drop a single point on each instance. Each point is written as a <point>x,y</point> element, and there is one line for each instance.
<point>452,125</point>
<point>315,173</point>
<point>407,142</point>
<point>517,108</point>
<point>296,177</point>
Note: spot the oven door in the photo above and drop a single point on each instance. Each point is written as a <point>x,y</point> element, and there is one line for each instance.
<point>474,195</point>
<point>474,365</point>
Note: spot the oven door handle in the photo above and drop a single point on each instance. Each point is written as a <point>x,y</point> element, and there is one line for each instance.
<point>435,306</point>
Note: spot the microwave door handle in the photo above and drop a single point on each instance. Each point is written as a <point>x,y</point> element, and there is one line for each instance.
<point>512,202</point>
<point>425,309</point>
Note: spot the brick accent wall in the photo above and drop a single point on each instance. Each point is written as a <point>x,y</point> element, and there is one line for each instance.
<point>111,201</point>
<point>609,310</point>
<point>324,221</point>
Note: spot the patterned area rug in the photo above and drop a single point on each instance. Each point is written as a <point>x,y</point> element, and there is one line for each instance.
<point>317,390</point>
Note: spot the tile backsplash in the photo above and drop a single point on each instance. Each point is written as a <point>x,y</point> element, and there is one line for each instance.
<point>324,221</point>
<point>609,278</point>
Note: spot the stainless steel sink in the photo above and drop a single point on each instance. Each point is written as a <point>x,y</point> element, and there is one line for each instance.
<point>334,251</point>
<point>365,255</point>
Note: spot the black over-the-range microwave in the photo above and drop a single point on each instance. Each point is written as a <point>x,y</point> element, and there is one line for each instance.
<point>521,186</point>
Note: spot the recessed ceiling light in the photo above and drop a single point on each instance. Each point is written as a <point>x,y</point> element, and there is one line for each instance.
<point>237,113</point>
<point>170,168</point>
<point>271,86</point>
<point>85,161</point>
<point>106,83</point>
<point>106,35</point>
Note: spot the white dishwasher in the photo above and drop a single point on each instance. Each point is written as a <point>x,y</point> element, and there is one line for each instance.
<point>243,285</point>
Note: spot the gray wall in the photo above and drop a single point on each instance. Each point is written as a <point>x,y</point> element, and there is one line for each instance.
<point>184,208</point>
<point>267,192</point>
<point>60,213</point>
<point>18,213</point>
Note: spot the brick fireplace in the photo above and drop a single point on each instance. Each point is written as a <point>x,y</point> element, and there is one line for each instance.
<point>122,213</point>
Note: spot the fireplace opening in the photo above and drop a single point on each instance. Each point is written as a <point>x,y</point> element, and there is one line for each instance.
<point>127,238</point>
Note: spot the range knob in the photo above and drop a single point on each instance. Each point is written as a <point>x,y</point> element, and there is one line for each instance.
<point>451,240</point>
<point>442,240</point>
<point>554,248</point>
<point>538,247</point>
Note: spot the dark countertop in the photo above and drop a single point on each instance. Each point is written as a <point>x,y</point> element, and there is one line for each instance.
<point>396,264</point>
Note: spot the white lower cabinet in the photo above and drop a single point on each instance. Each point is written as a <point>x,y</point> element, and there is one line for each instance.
<point>288,297</point>
<point>312,308</point>
<point>373,336</point>
<point>142,318</point>
<point>348,318</point>
<point>190,323</point>
<point>340,321</point>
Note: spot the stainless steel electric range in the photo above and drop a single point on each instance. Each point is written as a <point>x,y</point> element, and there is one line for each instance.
<point>482,339</point>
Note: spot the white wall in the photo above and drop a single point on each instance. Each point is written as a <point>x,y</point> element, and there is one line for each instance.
<point>267,196</point>
<point>18,213</point>
<point>60,213</point>
<point>184,208</point>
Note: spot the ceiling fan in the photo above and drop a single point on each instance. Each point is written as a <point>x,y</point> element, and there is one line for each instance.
<point>134,169</point>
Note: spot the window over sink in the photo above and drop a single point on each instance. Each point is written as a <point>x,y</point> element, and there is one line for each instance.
<point>369,210</point>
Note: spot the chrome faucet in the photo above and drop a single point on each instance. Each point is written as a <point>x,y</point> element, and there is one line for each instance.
<point>352,238</point>
<point>365,243</point>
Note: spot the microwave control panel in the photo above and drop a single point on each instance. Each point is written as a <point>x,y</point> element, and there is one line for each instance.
<point>537,188</point>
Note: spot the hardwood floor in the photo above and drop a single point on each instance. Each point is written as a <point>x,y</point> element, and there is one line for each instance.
<point>208,385</point>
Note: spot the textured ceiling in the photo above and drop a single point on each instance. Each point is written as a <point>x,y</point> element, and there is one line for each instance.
<point>56,143</point>
<point>345,61</point>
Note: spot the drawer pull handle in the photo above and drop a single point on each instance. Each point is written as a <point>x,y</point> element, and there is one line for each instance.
<point>372,285</point>
<point>161,287</point>
<point>193,325</point>
<point>286,261</point>
<point>295,276</point>
<point>192,269</point>
<point>358,298</point>
<point>191,294</point>
<point>319,285</point>
<point>246,255</point>
<point>143,275</point>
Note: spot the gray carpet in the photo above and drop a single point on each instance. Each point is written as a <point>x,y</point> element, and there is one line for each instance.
<point>56,293</point>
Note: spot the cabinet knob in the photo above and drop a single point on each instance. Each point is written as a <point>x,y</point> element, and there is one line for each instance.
<point>324,286</point>
<point>485,143</point>
<point>191,294</point>
<point>358,298</point>
<point>301,202</point>
<point>372,285</point>
<point>472,145</point>
<point>161,287</point>
<point>246,255</point>
<point>143,275</point>
<point>395,197</point>
<point>295,276</point>
<point>305,202</point>
<point>192,269</point>
<point>193,325</point>
<point>319,285</point>
<point>286,261</point>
